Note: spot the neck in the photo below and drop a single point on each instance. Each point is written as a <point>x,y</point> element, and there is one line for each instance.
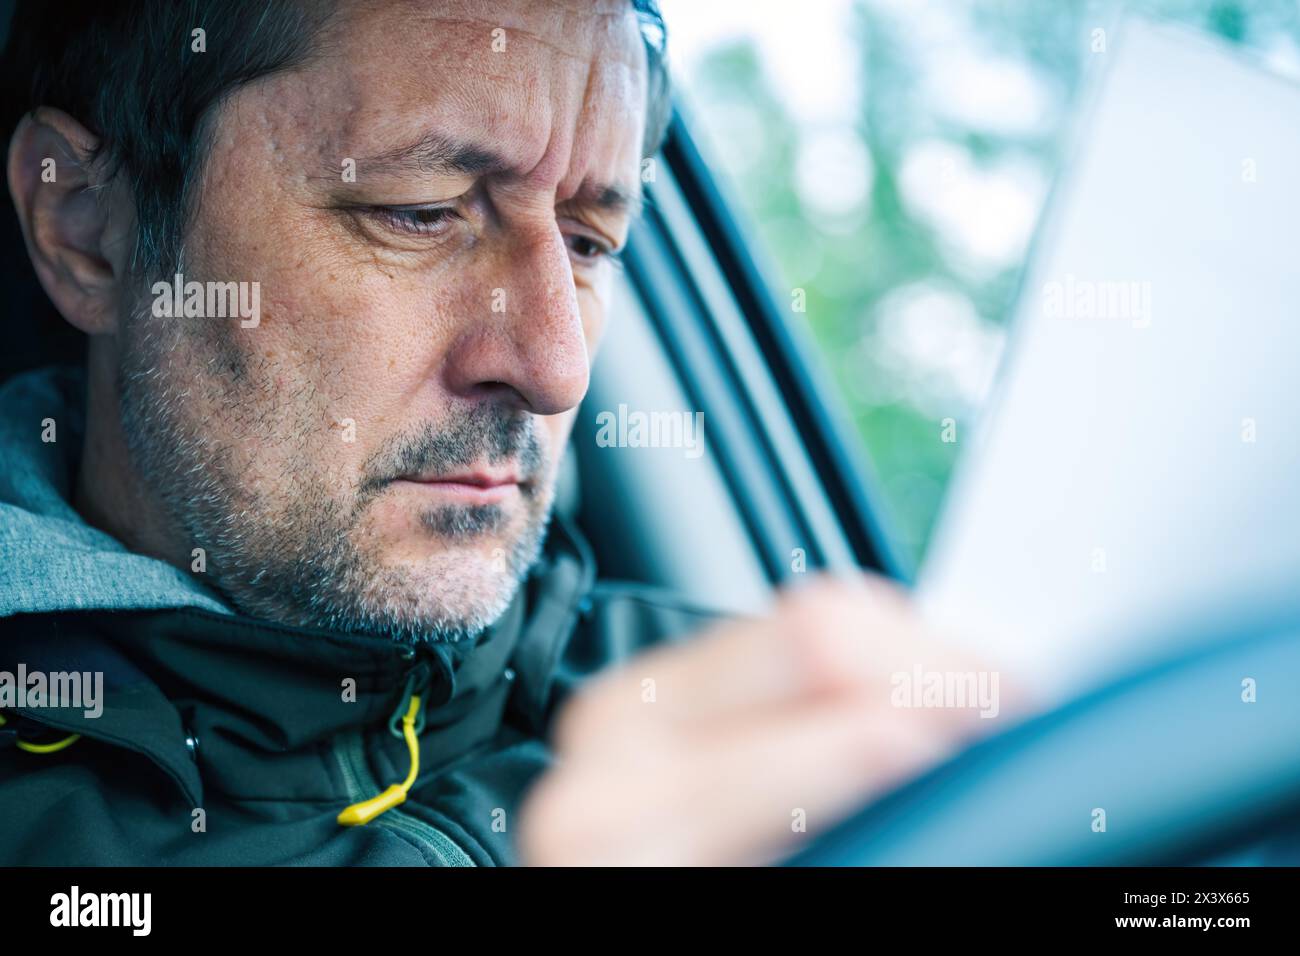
<point>110,493</point>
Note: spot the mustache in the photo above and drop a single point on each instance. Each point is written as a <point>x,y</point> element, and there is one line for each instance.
<point>485,433</point>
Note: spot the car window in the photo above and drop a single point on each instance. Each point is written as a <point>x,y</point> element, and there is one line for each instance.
<point>891,158</point>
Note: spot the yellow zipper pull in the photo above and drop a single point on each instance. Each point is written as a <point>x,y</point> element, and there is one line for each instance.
<point>367,810</point>
<point>51,748</point>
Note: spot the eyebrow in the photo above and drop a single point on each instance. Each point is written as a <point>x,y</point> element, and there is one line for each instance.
<point>610,197</point>
<point>437,154</point>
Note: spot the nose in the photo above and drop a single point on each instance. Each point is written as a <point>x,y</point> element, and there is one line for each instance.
<point>526,346</point>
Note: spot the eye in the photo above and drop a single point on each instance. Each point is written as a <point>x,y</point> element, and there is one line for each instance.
<point>417,220</point>
<point>585,247</point>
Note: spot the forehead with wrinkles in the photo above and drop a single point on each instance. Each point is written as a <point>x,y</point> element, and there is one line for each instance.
<point>540,88</point>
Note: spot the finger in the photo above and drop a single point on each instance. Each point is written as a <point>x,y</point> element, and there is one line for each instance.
<point>737,798</point>
<point>739,665</point>
<point>828,638</point>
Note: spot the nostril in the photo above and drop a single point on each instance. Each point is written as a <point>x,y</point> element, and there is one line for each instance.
<point>502,393</point>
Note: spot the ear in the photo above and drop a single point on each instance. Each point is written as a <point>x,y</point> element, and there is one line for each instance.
<point>76,224</point>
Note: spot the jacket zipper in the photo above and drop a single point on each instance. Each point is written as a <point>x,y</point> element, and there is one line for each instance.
<point>349,752</point>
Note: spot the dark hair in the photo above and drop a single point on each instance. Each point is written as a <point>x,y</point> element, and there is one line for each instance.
<point>125,68</point>
<point>658,101</point>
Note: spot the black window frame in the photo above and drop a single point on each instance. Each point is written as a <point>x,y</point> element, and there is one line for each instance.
<point>773,511</point>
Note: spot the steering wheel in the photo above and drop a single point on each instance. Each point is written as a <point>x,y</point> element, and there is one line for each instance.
<point>1173,764</point>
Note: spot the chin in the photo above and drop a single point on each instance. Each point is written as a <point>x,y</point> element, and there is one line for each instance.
<point>469,570</point>
<point>452,596</point>
<point>466,580</point>
<point>449,572</point>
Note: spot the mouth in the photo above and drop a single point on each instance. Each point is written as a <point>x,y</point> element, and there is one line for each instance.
<point>475,487</point>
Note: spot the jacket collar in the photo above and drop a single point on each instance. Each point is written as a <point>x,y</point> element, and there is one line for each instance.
<point>253,709</point>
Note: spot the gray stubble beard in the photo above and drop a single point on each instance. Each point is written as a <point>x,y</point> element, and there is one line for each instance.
<point>304,564</point>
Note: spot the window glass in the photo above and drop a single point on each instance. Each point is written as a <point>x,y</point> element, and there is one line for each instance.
<point>892,157</point>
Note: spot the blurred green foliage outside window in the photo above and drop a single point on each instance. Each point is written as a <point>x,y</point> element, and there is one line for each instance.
<point>892,157</point>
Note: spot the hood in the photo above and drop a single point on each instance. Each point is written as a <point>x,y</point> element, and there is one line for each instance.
<point>50,559</point>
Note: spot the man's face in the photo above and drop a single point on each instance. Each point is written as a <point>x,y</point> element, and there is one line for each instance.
<point>379,452</point>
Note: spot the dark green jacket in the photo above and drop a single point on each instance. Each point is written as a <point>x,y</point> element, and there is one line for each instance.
<point>225,740</point>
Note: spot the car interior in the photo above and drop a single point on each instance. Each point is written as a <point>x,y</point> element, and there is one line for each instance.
<point>784,490</point>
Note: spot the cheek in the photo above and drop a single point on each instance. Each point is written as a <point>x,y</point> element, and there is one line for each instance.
<point>328,374</point>
<point>363,337</point>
